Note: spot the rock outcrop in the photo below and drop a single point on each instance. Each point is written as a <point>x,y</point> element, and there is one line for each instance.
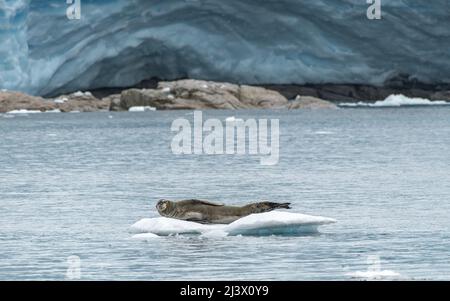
<point>309,102</point>
<point>195,94</point>
<point>11,100</point>
<point>79,101</point>
<point>175,95</point>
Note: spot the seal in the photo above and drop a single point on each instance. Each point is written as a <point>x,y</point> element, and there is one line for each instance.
<point>206,212</point>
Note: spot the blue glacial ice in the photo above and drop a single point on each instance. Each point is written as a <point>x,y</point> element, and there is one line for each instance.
<point>119,43</point>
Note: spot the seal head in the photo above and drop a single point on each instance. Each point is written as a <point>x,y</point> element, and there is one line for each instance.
<point>165,207</point>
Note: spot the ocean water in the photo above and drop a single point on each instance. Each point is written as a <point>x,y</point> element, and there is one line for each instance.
<point>73,184</point>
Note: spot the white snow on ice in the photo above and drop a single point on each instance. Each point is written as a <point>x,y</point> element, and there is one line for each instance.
<point>269,223</point>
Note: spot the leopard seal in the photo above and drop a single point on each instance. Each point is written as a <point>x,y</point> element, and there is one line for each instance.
<point>206,212</point>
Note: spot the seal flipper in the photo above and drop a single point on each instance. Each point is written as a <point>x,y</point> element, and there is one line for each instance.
<point>273,206</point>
<point>267,206</point>
<point>282,205</point>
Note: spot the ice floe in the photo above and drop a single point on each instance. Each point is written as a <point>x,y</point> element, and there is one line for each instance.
<point>269,223</point>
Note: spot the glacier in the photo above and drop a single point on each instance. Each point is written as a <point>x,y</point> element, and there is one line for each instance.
<point>120,43</point>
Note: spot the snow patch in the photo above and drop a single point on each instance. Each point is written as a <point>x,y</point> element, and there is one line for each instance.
<point>60,100</point>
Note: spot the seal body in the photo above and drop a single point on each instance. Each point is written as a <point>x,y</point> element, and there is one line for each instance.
<point>206,212</point>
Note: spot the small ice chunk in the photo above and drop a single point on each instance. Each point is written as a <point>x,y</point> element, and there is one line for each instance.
<point>24,111</point>
<point>374,275</point>
<point>78,94</point>
<point>323,132</point>
<point>145,236</point>
<point>141,109</point>
<point>233,119</point>
<point>166,90</point>
<point>53,111</point>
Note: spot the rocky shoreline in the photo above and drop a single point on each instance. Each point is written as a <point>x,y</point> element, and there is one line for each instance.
<point>189,94</point>
<point>175,95</point>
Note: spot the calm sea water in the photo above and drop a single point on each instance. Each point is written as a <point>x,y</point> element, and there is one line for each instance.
<point>72,184</point>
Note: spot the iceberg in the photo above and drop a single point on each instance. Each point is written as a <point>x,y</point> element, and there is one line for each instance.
<point>120,43</point>
<point>262,224</point>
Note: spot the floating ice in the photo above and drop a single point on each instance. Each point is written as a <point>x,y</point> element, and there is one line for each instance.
<point>141,109</point>
<point>269,223</point>
<point>7,116</point>
<point>53,111</point>
<point>145,236</point>
<point>323,133</point>
<point>397,101</point>
<point>375,275</point>
<point>277,222</point>
<point>233,119</point>
<point>23,111</point>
